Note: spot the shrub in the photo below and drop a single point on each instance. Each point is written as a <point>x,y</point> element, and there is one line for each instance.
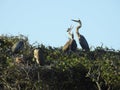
<point>94,70</point>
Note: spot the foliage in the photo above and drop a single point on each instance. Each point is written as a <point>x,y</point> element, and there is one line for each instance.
<point>95,70</point>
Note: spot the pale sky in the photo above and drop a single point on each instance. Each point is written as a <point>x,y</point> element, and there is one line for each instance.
<point>46,21</point>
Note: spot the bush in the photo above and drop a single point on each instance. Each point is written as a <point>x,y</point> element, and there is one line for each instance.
<point>94,70</point>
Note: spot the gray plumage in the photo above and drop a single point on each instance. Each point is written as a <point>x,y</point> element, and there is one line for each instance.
<point>18,46</point>
<point>83,42</point>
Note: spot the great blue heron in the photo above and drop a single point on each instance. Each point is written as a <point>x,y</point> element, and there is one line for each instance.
<point>83,42</point>
<point>18,46</point>
<point>71,44</point>
<point>38,55</point>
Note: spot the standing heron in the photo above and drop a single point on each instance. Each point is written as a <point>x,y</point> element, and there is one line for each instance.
<point>71,44</point>
<point>83,42</point>
<point>38,55</point>
<point>18,46</point>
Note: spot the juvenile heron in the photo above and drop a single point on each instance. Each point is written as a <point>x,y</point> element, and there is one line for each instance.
<point>71,44</point>
<point>19,59</point>
<point>83,42</point>
<point>18,46</point>
<point>38,55</point>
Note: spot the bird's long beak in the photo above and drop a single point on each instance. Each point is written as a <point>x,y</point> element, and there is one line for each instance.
<point>76,20</point>
<point>69,29</point>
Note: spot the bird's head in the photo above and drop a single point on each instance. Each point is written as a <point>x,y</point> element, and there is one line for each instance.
<point>78,21</point>
<point>70,28</point>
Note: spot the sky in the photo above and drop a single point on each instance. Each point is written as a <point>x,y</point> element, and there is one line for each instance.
<point>46,21</point>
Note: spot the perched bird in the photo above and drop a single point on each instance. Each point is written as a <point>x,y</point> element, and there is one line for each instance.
<point>83,42</point>
<point>18,46</point>
<point>38,55</point>
<point>19,59</point>
<point>71,44</point>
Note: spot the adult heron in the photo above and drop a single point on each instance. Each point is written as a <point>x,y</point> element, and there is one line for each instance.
<point>83,42</point>
<point>71,44</point>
